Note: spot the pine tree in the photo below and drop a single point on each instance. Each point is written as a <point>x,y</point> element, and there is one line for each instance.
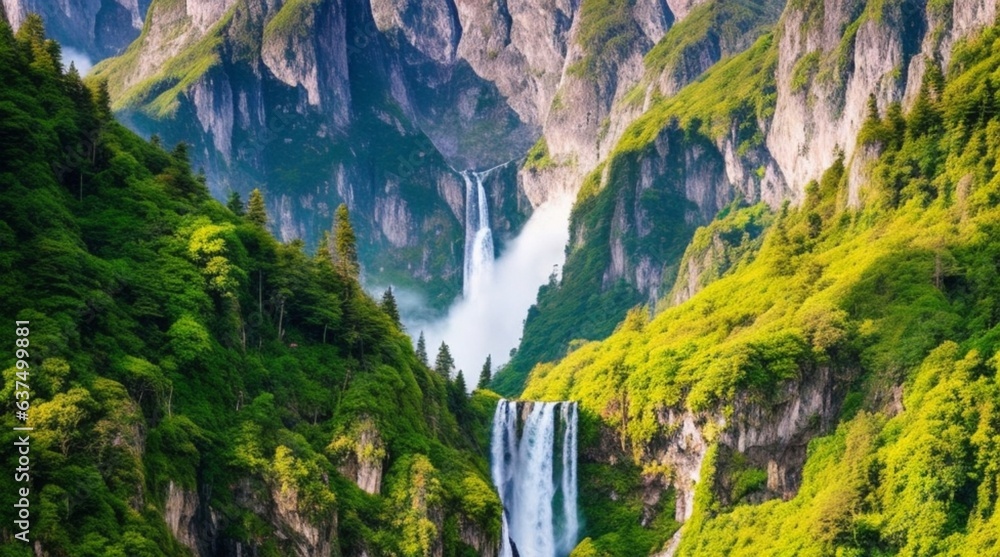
<point>460,386</point>
<point>486,375</point>
<point>444,364</point>
<point>389,306</point>
<point>422,349</point>
<point>180,153</point>
<point>76,89</point>
<point>102,100</point>
<point>345,243</point>
<point>235,204</point>
<point>256,212</point>
<point>45,54</point>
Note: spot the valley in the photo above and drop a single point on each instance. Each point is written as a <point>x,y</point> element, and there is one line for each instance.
<point>551,278</point>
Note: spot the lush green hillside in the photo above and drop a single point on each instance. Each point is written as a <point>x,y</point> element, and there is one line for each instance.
<point>586,306</point>
<point>177,348</point>
<point>902,292</point>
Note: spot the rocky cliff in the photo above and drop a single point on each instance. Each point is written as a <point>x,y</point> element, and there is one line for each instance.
<point>788,340</point>
<point>754,136</point>
<point>97,28</point>
<point>378,103</point>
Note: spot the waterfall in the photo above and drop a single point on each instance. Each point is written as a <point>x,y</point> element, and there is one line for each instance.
<point>534,467</point>
<point>478,235</point>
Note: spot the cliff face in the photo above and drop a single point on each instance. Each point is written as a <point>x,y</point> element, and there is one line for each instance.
<point>377,103</point>
<point>694,389</point>
<point>97,28</point>
<point>764,143</point>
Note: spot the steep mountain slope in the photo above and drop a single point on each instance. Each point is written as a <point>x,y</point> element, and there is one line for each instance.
<point>759,128</point>
<point>833,391</point>
<point>378,103</point>
<point>196,387</point>
<point>96,28</point>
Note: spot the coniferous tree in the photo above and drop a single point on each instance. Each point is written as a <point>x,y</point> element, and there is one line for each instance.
<point>345,243</point>
<point>235,204</point>
<point>76,89</point>
<point>102,100</point>
<point>486,375</point>
<point>256,212</point>
<point>45,54</point>
<point>389,306</point>
<point>460,386</point>
<point>422,348</point>
<point>180,153</point>
<point>444,364</point>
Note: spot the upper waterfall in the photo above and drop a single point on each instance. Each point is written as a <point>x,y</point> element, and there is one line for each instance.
<point>478,234</point>
<point>534,467</point>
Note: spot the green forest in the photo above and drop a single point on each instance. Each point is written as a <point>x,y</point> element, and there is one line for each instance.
<point>181,358</point>
<point>901,291</point>
<point>828,386</point>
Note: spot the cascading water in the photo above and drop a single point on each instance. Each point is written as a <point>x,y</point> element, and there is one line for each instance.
<point>478,235</point>
<point>534,467</point>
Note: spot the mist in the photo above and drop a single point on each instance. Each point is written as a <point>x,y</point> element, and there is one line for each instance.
<point>491,321</point>
<point>78,58</point>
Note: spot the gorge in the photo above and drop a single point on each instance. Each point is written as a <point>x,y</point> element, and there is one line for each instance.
<point>735,264</point>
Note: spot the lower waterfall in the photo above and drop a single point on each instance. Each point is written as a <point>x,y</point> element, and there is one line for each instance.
<point>533,453</point>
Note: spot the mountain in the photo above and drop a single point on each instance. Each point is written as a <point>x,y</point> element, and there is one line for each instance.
<point>759,127</point>
<point>96,29</point>
<point>820,378</point>
<point>776,323</point>
<point>195,387</point>
<point>380,104</point>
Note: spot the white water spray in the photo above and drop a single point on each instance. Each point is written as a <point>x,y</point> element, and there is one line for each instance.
<point>536,475</point>
<point>497,292</point>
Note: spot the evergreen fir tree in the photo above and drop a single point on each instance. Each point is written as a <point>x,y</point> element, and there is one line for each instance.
<point>486,375</point>
<point>422,348</point>
<point>345,243</point>
<point>180,153</point>
<point>256,212</point>
<point>235,204</point>
<point>444,364</point>
<point>389,306</point>
<point>102,100</point>
<point>460,386</point>
<point>45,54</point>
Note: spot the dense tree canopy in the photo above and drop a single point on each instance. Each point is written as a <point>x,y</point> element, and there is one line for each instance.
<point>178,350</point>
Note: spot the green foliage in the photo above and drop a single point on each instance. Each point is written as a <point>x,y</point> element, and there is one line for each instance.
<point>178,349</point>
<point>389,306</point>
<point>345,243</point>
<point>256,210</point>
<point>486,374</point>
<point>444,364</point>
<point>538,158</point>
<point>804,71</point>
<point>159,95</point>
<point>422,349</point>
<point>606,32</point>
<point>235,204</point>
<point>728,26</point>
<point>618,519</point>
<point>900,292</point>
<point>290,19</point>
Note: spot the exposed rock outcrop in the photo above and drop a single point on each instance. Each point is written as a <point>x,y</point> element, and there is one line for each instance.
<point>361,452</point>
<point>96,28</point>
<point>181,512</point>
<point>772,434</point>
